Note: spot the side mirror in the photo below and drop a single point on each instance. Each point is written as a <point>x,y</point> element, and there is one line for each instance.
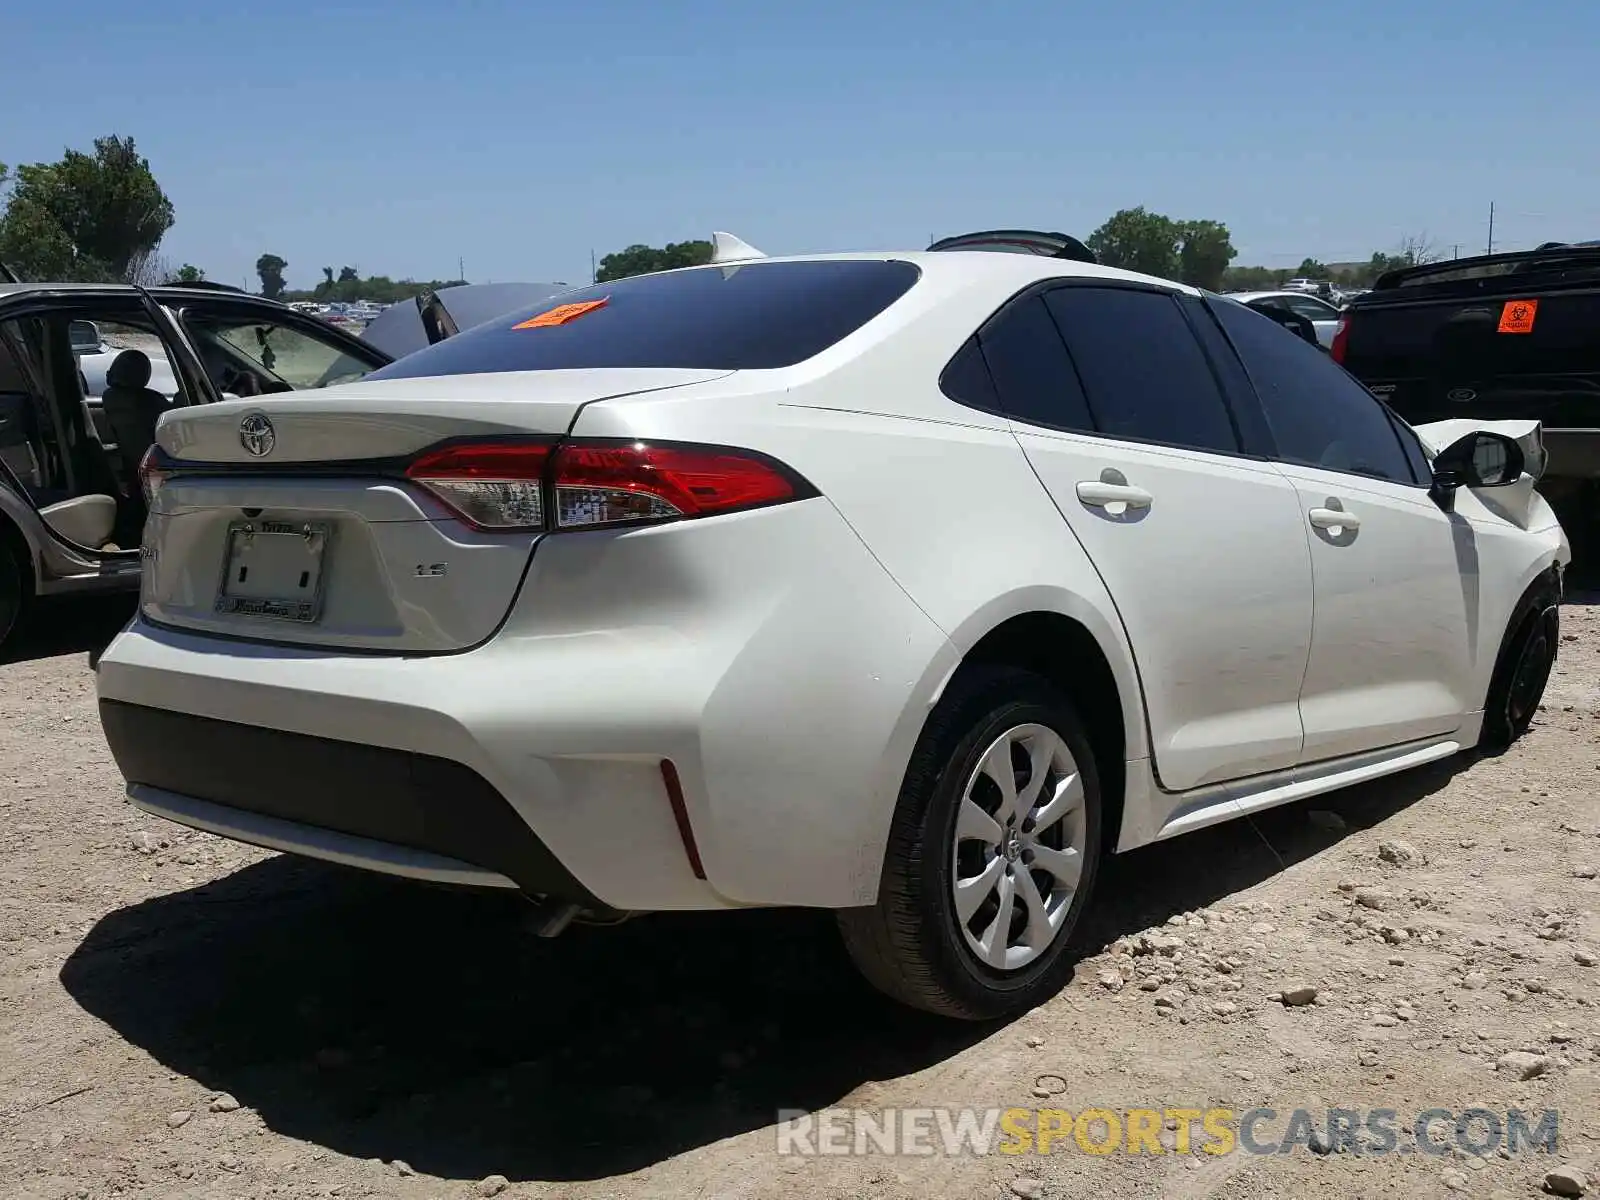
<point>85,337</point>
<point>1478,460</point>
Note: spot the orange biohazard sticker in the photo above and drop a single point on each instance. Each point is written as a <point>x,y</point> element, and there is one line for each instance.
<point>1517,316</point>
<point>562,313</point>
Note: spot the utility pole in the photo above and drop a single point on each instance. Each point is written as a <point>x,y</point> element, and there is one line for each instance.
<point>461,269</point>
<point>592,270</point>
<point>1456,251</point>
<point>1491,227</point>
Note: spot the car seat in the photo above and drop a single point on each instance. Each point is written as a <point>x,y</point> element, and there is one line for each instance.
<point>86,520</point>
<point>132,408</point>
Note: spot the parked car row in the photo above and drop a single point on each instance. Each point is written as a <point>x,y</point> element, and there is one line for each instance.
<point>908,585</point>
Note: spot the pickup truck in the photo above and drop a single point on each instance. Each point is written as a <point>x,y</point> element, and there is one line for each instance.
<point>1495,337</point>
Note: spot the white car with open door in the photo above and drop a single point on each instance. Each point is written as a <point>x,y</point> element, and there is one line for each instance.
<point>86,371</point>
<point>908,585</point>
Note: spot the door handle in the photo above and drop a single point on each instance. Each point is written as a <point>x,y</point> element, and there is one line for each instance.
<point>1333,518</point>
<point>1099,494</point>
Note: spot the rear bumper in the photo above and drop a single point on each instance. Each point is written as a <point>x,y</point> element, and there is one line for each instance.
<point>387,810</point>
<point>767,656</point>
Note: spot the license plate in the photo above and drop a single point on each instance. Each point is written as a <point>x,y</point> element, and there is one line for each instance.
<point>273,569</point>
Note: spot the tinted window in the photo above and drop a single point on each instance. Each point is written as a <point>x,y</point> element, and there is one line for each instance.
<point>1144,373</point>
<point>1319,416</point>
<point>1254,436</point>
<point>1411,444</point>
<point>743,316</point>
<point>1032,373</point>
<point>966,379</point>
<point>1311,309</point>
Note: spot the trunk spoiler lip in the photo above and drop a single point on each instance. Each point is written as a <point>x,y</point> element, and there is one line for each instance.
<point>1019,241</point>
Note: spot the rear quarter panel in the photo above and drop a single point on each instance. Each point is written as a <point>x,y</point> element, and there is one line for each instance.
<point>940,495</point>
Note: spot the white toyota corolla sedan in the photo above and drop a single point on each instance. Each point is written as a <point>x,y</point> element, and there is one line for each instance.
<point>907,585</point>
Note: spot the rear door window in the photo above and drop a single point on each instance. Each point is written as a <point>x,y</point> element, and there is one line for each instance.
<point>1032,373</point>
<point>1318,414</point>
<point>966,379</point>
<point>743,316</point>
<point>1143,372</point>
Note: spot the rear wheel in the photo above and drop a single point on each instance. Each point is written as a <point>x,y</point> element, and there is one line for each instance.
<point>992,853</point>
<point>1523,668</point>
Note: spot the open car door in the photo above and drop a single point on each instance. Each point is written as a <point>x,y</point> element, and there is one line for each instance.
<point>194,385</point>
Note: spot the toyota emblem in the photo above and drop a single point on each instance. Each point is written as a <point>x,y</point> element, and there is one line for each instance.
<point>257,436</point>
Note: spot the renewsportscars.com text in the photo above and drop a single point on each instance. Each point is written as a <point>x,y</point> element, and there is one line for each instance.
<point>924,1132</point>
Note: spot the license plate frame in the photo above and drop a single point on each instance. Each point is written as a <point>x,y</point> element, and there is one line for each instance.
<point>290,562</point>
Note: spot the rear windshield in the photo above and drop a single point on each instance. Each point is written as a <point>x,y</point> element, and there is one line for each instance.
<point>743,316</point>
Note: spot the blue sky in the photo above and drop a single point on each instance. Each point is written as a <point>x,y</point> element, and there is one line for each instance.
<point>399,136</point>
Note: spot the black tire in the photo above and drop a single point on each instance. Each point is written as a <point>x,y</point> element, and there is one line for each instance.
<point>909,945</point>
<point>1527,654</point>
<point>16,587</point>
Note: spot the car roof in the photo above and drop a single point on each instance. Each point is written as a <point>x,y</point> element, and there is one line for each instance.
<point>979,265</point>
<point>165,289</point>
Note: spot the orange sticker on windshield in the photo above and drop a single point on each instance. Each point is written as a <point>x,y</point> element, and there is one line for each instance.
<point>1517,316</point>
<point>562,313</point>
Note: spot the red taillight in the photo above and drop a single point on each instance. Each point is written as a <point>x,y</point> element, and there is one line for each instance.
<point>1341,339</point>
<point>595,484</point>
<point>489,485</point>
<point>151,477</point>
<point>622,483</point>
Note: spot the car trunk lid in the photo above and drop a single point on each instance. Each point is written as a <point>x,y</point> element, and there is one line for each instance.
<point>397,417</point>
<point>289,519</point>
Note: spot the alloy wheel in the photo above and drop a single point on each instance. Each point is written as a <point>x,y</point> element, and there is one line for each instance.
<point>1019,846</point>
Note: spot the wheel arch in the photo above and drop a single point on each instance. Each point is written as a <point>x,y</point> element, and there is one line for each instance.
<point>1084,653</point>
<point>1542,575</point>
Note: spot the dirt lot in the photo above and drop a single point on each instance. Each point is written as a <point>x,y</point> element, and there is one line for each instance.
<point>180,1016</point>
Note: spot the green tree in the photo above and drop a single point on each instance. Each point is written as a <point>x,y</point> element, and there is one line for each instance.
<point>269,267</point>
<point>1310,268</point>
<point>1136,239</point>
<point>640,259</point>
<point>349,285</point>
<point>93,216</point>
<point>188,273</point>
<point>1204,252</point>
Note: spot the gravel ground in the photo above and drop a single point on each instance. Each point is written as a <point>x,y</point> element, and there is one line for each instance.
<point>180,1016</point>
